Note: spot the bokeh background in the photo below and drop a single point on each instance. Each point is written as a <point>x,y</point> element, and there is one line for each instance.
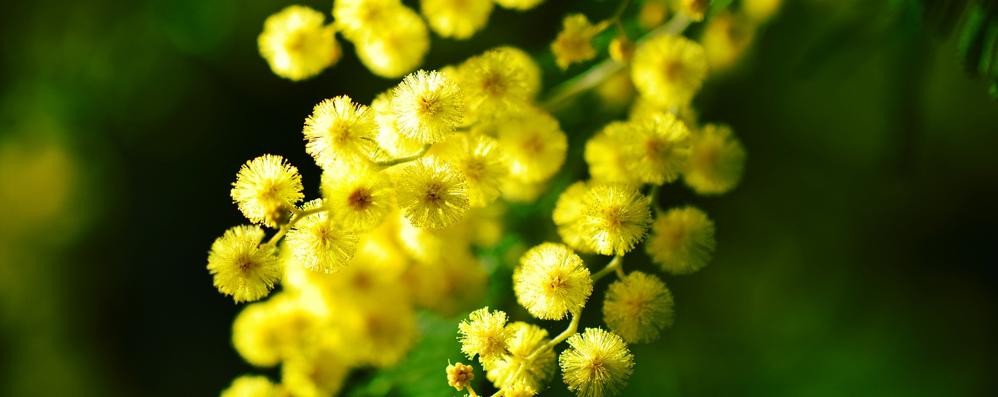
<point>858,256</point>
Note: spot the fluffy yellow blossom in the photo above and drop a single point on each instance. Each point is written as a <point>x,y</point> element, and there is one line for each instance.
<point>319,243</point>
<point>551,281</point>
<point>391,143</point>
<point>607,219</point>
<point>668,70</point>
<point>658,147</point>
<point>514,369</point>
<point>358,19</point>
<point>477,157</point>
<point>484,334</point>
<point>266,188</point>
<point>605,157</point>
<point>318,372</point>
<point>652,13</point>
<point>637,307</point>
<point>492,88</point>
<point>694,9</point>
<point>761,10</point>
<point>574,42</point>
<point>534,145</point>
<point>457,19</point>
<point>428,106</point>
<point>339,132</point>
<point>682,240</point>
<point>716,161</point>
<point>399,48</point>
<point>725,39</point>
<point>617,91</point>
<point>525,65</point>
<point>251,386</point>
<point>296,43</point>
<point>520,5</point>
<point>459,376</point>
<point>568,211</point>
<point>431,193</point>
<point>597,363</point>
<point>267,332</point>
<point>358,198</point>
<point>241,266</point>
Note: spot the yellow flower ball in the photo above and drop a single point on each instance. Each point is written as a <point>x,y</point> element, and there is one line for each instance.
<point>725,39</point>
<point>668,70</point>
<point>399,48</point>
<point>358,198</point>
<point>607,219</point>
<point>682,240</point>
<point>391,143</point>
<point>525,65</point>
<point>318,372</point>
<point>428,106</point>
<point>340,132</point>
<point>574,42</point>
<point>637,307</point>
<point>478,158</point>
<point>658,146</point>
<point>431,193</point>
<point>484,334</point>
<point>493,89</point>
<point>551,281</point>
<point>251,386</point>
<point>358,19</point>
<point>717,160</point>
<point>457,19</point>
<point>266,188</point>
<point>319,243</point>
<point>597,363</point>
<point>605,154</point>
<point>534,145</point>
<point>241,267</point>
<point>296,43</point>
<point>514,369</point>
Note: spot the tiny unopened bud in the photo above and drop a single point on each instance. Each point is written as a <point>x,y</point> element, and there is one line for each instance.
<point>459,376</point>
<point>695,9</point>
<point>278,214</point>
<point>653,13</point>
<point>621,49</point>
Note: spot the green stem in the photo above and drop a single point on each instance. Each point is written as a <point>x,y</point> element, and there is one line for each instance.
<point>406,159</point>
<point>614,265</point>
<point>298,215</point>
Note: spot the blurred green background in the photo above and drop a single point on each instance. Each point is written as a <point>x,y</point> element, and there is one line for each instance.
<point>858,256</point>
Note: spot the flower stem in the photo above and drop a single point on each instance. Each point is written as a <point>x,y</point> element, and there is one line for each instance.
<point>298,215</point>
<point>406,159</point>
<point>614,266</point>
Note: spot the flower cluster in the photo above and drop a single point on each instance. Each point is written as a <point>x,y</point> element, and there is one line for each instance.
<point>612,214</point>
<point>415,180</point>
<point>390,38</point>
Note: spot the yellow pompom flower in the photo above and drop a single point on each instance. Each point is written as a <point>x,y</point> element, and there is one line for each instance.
<point>534,145</point>
<point>596,364</point>
<point>484,334</point>
<point>725,39</point>
<point>658,147</point>
<point>265,333</point>
<point>428,106</point>
<point>716,161</point>
<point>316,373</point>
<point>339,132</point>
<point>319,243</point>
<point>525,65</point>
<point>391,143</point>
<point>607,219</point>
<point>682,240</point>
<point>241,266</point>
<point>761,10</point>
<point>513,369</point>
<point>574,42</point>
<point>521,5</point>
<point>668,70</point>
<point>552,281</point>
<point>637,307</point>
<point>266,188</point>
<point>359,198</point>
<point>477,157</point>
<point>397,49</point>
<point>604,154</point>
<point>431,193</point>
<point>568,211</point>
<point>251,386</point>
<point>358,19</point>
<point>456,19</point>
<point>492,88</point>
<point>296,44</point>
